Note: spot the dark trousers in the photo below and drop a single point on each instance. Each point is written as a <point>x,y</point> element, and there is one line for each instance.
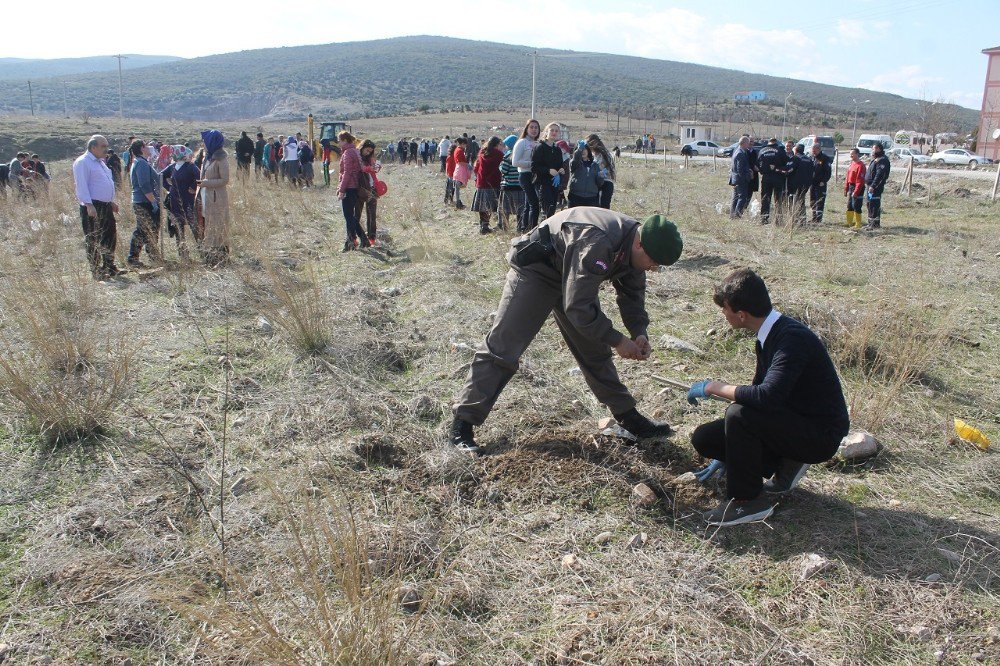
<point>575,201</point>
<point>769,187</point>
<point>607,191</point>
<point>449,190</point>
<point>349,204</point>
<point>817,200</point>
<point>752,443</point>
<point>854,200</point>
<point>147,231</point>
<point>444,160</point>
<point>797,202</point>
<point>875,208</point>
<point>741,199</point>
<point>548,197</point>
<point>100,234</point>
<point>370,209</point>
<point>402,158</point>
<point>529,216</point>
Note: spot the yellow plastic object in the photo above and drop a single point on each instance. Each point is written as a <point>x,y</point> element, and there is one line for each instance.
<point>971,435</point>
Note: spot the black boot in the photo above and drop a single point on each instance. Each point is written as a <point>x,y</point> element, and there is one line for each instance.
<point>461,436</point>
<point>640,426</point>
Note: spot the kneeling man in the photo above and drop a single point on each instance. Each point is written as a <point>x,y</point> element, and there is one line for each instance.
<point>793,415</point>
<point>558,269</point>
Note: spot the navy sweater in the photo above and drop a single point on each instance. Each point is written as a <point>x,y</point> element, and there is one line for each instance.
<point>794,372</point>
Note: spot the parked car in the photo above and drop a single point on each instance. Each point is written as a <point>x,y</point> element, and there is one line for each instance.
<point>826,144</point>
<point>908,154</point>
<point>866,141</point>
<point>959,156</point>
<point>728,150</point>
<point>702,147</point>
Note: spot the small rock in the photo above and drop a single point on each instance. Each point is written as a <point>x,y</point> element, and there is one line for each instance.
<point>686,477</point>
<point>643,495</point>
<point>670,342</point>
<point>569,561</point>
<point>950,555</point>
<point>812,564</point>
<point>409,598</point>
<point>710,332</point>
<point>979,656</point>
<point>264,325</point>
<point>98,524</point>
<point>491,316</point>
<point>605,422</point>
<point>424,408</point>
<point>939,655</point>
<point>239,487</point>
<point>603,538</point>
<point>427,659</point>
<point>933,578</point>
<point>858,446</point>
<point>638,541</point>
<point>620,432</point>
<point>895,503</point>
<point>575,372</point>
<point>918,632</point>
<point>461,347</point>
<point>390,292</point>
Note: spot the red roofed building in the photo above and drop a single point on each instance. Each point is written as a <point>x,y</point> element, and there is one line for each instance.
<point>989,117</point>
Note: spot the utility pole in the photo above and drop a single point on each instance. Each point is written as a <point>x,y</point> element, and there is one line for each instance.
<point>31,99</point>
<point>121,94</point>
<point>534,66</point>
<point>696,108</point>
<point>65,109</point>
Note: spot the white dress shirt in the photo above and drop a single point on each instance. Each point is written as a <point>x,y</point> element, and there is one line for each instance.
<point>93,180</point>
<point>765,328</point>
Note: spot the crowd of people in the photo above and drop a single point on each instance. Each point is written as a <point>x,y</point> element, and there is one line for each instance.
<point>26,176</point>
<point>796,184</point>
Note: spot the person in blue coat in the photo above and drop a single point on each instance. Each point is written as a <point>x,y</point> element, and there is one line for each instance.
<point>739,178</point>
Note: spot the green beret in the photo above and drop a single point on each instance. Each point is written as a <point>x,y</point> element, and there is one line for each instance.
<point>661,240</point>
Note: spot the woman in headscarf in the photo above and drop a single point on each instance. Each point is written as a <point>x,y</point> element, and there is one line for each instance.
<point>511,194</point>
<point>165,157</point>
<point>347,190</point>
<point>181,179</point>
<point>215,198</point>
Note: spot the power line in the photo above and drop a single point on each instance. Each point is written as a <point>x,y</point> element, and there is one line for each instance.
<point>121,94</point>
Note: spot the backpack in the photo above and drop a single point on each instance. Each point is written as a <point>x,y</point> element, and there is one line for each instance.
<point>4,173</point>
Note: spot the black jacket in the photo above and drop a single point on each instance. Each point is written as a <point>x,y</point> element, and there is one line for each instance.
<point>877,174</point>
<point>821,169</point>
<point>771,161</point>
<point>546,156</point>
<point>258,149</point>
<point>244,149</point>
<point>801,176</point>
<point>795,372</point>
<point>740,172</point>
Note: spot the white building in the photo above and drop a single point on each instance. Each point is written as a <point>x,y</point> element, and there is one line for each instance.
<point>690,130</point>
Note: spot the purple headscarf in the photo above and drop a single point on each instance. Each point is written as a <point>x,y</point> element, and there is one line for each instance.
<point>213,141</point>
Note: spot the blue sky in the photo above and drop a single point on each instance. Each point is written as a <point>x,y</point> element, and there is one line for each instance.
<point>926,49</point>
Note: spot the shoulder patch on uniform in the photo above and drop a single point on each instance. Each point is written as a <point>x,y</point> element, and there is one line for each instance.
<point>598,266</point>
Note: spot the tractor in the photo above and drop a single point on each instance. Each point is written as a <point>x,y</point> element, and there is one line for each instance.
<point>328,141</point>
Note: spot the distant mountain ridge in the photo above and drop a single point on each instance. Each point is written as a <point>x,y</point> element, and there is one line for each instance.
<point>31,68</point>
<point>421,73</point>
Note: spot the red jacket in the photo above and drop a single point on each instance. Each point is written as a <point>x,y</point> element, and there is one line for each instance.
<point>460,156</point>
<point>350,168</point>
<point>855,175</point>
<point>488,174</point>
<point>449,165</point>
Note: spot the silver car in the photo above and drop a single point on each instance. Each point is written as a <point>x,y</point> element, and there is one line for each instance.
<point>959,156</point>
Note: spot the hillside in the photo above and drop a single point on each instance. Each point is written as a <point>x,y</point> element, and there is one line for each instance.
<point>35,68</point>
<point>407,74</point>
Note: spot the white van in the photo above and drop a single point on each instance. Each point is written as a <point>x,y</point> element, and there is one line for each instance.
<point>866,141</point>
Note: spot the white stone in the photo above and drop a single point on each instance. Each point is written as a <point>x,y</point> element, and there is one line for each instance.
<point>264,325</point>
<point>603,538</point>
<point>389,292</point>
<point>569,561</point>
<point>813,564</point>
<point>239,486</point>
<point>950,555</point>
<point>686,477</point>
<point>670,342</point>
<point>618,431</point>
<point>858,445</point>
<point>605,422</point>
<point>575,372</point>
<point>638,540</point>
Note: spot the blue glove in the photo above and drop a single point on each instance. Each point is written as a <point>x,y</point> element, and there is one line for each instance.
<point>698,391</point>
<point>555,180</point>
<point>869,195</point>
<point>156,205</point>
<point>714,468</point>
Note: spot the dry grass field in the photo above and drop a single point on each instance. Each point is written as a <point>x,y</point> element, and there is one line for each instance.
<point>247,465</point>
